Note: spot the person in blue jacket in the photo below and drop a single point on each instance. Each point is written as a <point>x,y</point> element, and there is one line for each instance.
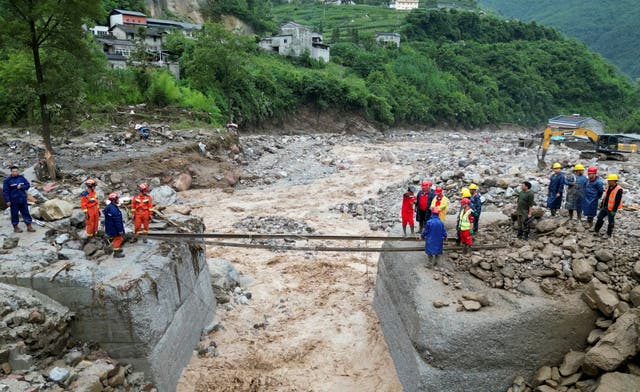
<point>592,194</point>
<point>14,191</point>
<point>476,205</point>
<point>556,188</point>
<point>434,234</point>
<point>113,224</point>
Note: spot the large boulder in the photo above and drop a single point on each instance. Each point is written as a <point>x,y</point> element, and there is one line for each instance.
<point>619,382</point>
<point>164,195</point>
<point>442,349</point>
<point>598,296</point>
<point>547,225</point>
<point>182,182</point>
<point>617,344</point>
<point>55,209</point>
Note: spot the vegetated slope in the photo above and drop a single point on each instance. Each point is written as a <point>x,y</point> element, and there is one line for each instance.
<point>609,27</point>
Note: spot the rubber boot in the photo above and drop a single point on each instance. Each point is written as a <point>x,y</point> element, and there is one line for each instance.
<point>404,230</point>
<point>118,253</point>
<point>598,226</point>
<point>520,234</point>
<point>525,235</point>
<point>30,228</point>
<point>609,230</point>
<point>553,212</point>
<point>16,229</point>
<point>589,221</point>
<point>579,213</point>
<point>570,214</point>
<point>465,249</point>
<point>412,232</point>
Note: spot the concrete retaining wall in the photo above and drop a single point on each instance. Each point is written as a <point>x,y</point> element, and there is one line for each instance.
<point>446,350</point>
<point>148,309</point>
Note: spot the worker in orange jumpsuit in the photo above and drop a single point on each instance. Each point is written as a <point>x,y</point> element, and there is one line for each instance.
<point>91,207</point>
<point>142,208</point>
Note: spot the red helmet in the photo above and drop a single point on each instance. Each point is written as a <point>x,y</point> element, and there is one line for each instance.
<point>592,170</point>
<point>427,184</point>
<point>438,190</point>
<point>113,196</point>
<point>90,182</point>
<point>143,187</point>
<point>465,202</point>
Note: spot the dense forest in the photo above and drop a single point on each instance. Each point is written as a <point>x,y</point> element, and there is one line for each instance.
<point>453,67</point>
<point>609,27</point>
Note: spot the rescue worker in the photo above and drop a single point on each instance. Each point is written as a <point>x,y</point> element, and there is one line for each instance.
<point>525,210</point>
<point>14,191</point>
<point>592,194</point>
<point>408,201</point>
<point>142,208</point>
<point>464,194</point>
<point>576,186</point>
<point>113,224</point>
<point>434,234</point>
<point>611,203</point>
<point>423,204</point>
<point>476,205</point>
<point>440,202</point>
<point>465,220</point>
<point>556,188</point>
<point>91,207</point>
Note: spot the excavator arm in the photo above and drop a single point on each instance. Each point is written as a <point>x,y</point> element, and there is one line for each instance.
<point>550,132</point>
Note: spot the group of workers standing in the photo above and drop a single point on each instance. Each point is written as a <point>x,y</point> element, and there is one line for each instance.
<point>141,210</point>
<point>431,208</point>
<point>585,195</point>
<point>14,190</point>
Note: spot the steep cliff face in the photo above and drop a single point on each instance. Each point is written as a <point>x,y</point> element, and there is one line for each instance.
<point>186,8</point>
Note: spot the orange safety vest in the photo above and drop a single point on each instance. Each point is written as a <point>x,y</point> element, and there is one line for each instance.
<point>612,198</point>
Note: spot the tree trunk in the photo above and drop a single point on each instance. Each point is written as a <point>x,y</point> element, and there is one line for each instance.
<point>42,96</point>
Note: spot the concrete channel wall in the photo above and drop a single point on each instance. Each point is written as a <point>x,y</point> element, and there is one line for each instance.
<point>147,309</point>
<point>448,350</point>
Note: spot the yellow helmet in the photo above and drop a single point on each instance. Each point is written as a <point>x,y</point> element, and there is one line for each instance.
<point>578,167</point>
<point>556,166</point>
<point>473,186</point>
<point>465,192</point>
<point>612,177</point>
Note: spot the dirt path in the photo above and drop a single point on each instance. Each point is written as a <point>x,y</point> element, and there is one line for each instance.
<point>321,331</point>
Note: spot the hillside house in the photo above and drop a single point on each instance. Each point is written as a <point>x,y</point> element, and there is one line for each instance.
<point>294,40</point>
<point>404,5</point>
<point>388,39</point>
<point>128,30</point>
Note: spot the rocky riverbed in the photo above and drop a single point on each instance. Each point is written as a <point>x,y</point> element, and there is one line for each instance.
<point>286,313</point>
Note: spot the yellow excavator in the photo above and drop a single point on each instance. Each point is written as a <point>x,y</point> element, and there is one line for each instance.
<point>606,146</point>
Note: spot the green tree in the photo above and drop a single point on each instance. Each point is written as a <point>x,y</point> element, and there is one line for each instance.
<point>39,25</point>
<point>335,35</point>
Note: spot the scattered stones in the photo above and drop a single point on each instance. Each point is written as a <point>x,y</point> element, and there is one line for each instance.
<point>582,270</point>
<point>58,374</point>
<point>481,298</point>
<point>440,304</point>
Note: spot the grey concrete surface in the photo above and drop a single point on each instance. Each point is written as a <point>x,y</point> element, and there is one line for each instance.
<point>446,350</point>
<point>147,309</point>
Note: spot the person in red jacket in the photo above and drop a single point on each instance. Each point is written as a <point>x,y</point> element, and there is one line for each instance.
<point>91,207</point>
<point>141,208</point>
<point>408,201</point>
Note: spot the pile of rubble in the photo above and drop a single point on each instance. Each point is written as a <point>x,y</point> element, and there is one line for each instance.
<point>37,353</point>
<point>610,361</point>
